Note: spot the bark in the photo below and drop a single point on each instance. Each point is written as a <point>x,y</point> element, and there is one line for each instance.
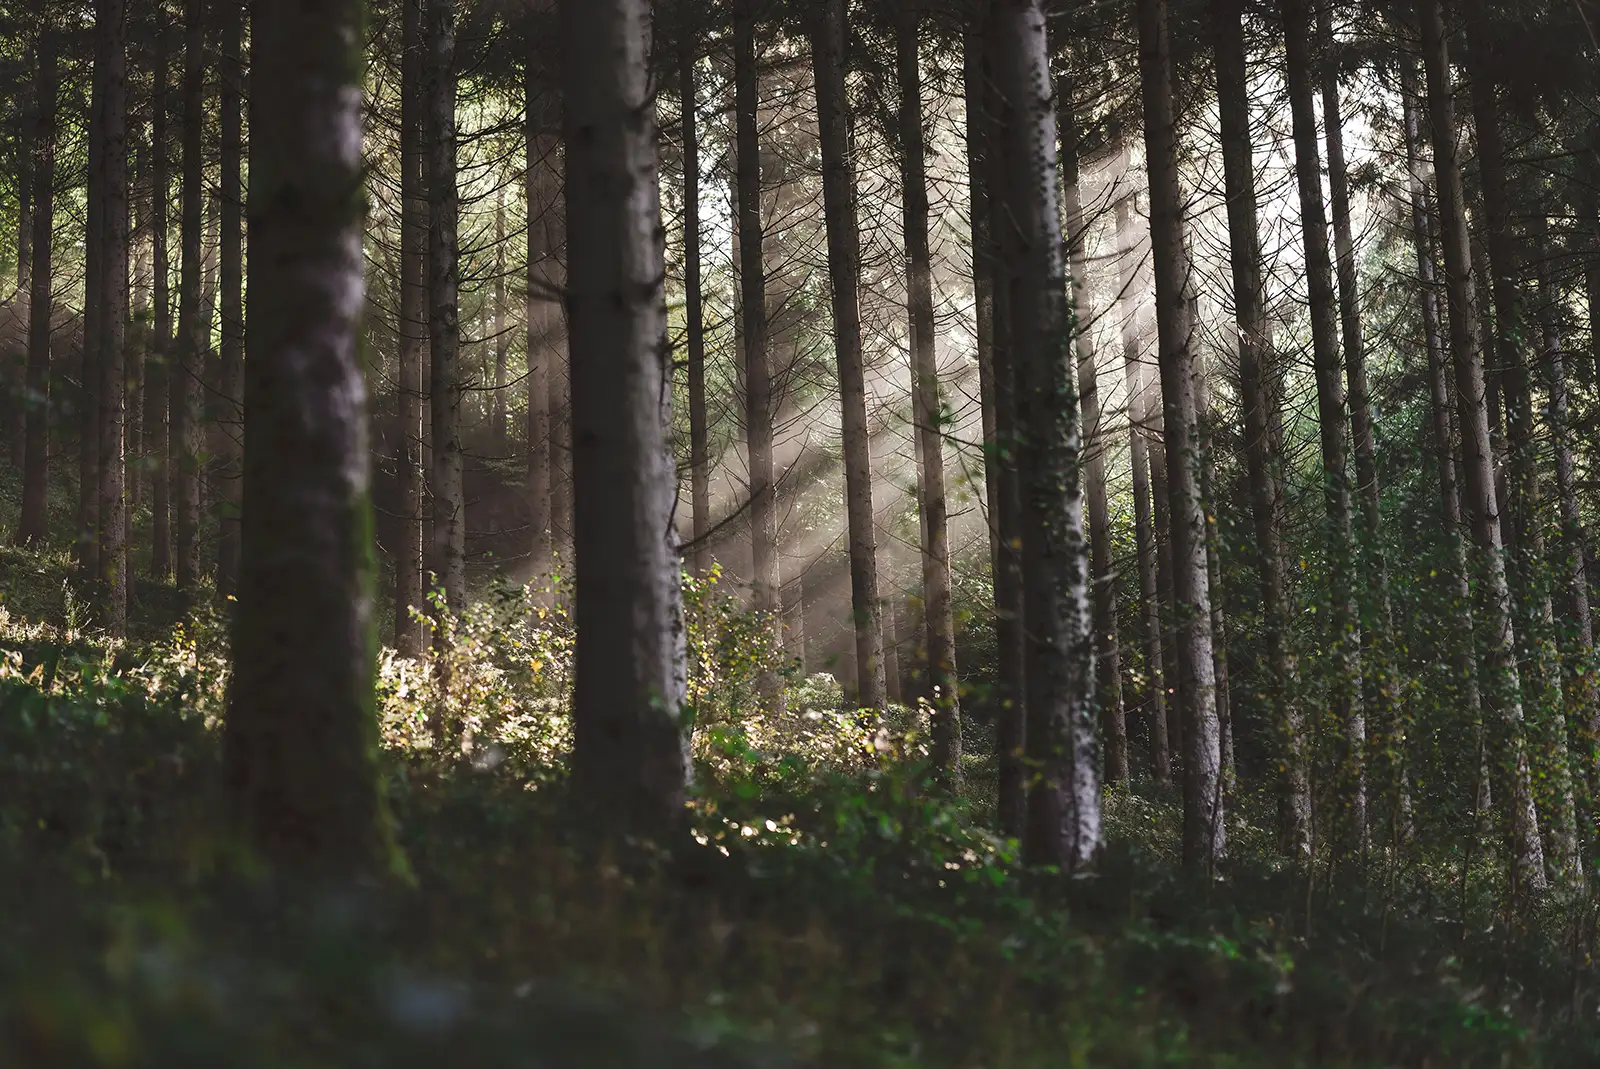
<point>1460,577</point>
<point>413,331</point>
<point>1583,695</point>
<point>544,280</point>
<point>1108,657</point>
<point>1140,419</point>
<point>300,743</point>
<point>1259,389</point>
<point>1064,803</point>
<point>86,539</point>
<point>992,258</point>
<point>112,511</point>
<point>1388,747</point>
<point>501,337</point>
<point>230,401</point>
<point>630,760</point>
<point>694,313</point>
<point>449,503</point>
<point>33,523</point>
<point>844,273</point>
<point>1338,531</point>
<point>758,375</point>
<point>1219,628</point>
<point>1499,682</point>
<point>133,458</point>
<point>1204,830</point>
<point>939,622</point>
<point>1525,544</point>
<point>184,399</point>
<point>160,373</point>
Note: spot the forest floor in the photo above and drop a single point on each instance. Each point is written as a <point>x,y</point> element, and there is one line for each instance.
<point>816,917</point>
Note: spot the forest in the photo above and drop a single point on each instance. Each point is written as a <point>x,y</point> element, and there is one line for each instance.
<point>787,533</point>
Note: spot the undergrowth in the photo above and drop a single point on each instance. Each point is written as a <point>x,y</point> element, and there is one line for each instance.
<point>827,906</point>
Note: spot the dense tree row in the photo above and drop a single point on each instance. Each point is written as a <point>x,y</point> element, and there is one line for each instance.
<point>1201,390</point>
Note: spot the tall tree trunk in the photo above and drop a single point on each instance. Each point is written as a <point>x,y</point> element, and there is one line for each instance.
<point>1331,418</point>
<point>1064,804</point>
<point>1140,419</point>
<point>133,458</point>
<point>942,681</point>
<point>16,380</point>
<point>992,258</point>
<point>1388,748</point>
<point>1502,691</point>
<point>1204,830</point>
<point>300,743</point>
<point>630,761</point>
<point>33,526</point>
<point>1582,692</point>
<point>1525,549</point>
<point>501,338</point>
<point>1460,577</point>
<point>161,372</point>
<point>694,309</point>
<point>757,370</point>
<point>1108,656</point>
<point>544,279</point>
<point>1259,390</point>
<point>186,377</point>
<point>844,273</point>
<point>112,553</point>
<point>1219,622</point>
<point>86,544</point>
<point>449,503</point>
<point>413,331</point>
<point>231,259</point>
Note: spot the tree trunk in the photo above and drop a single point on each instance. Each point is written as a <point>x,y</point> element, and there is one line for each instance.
<point>1259,390</point>
<point>33,527</point>
<point>160,370</point>
<point>1140,418</point>
<point>184,402</point>
<point>1204,830</point>
<point>1388,747</point>
<point>413,331</point>
<point>231,258</point>
<point>630,761</point>
<point>544,311</point>
<point>992,264</point>
<point>1064,803</point>
<point>1108,657</point>
<point>300,744</point>
<point>1331,418</point>
<point>501,337</point>
<point>1460,577</point>
<point>112,508</point>
<point>1219,623</point>
<point>844,272</point>
<point>86,542</point>
<point>942,681</point>
<point>1502,692</point>
<point>449,504</point>
<point>758,374</point>
<point>133,458</point>
<point>694,310</point>
<point>1525,549</point>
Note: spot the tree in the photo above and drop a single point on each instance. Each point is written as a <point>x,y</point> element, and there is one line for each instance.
<point>844,274</point>
<point>943,685</point>
<point>1259,388</point>
<point>1204,833</point>
<point>33,525</point>
<point>444,343</point>
<point>1499,681</point>
<point>413,331</point>
<point>300,739</point>
<point>1064,803</point>
<point>630,759</point>
<point>161,372</point>
<point>757,369</point>
<point>112,552</point>
<point>184,411</point>
<point>231,256</point>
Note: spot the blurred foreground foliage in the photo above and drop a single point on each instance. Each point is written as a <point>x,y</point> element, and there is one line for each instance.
<point>826,907</point>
